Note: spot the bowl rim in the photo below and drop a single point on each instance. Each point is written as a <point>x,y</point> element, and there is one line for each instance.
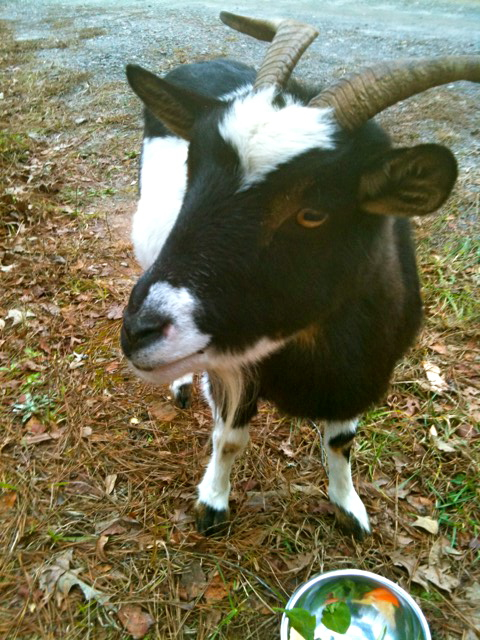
<point>338,573</point>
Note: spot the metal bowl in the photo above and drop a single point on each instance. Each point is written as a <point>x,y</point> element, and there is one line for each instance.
<point>379,608</point>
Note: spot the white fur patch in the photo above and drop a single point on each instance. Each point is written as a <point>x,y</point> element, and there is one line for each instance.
<point>266,136</point>
<point>340,488</point>
<point>182,338</point>
<point>237,93</point>
<point>176,385</point>
<point>162,186</point>
<point>214,488</point>
<point>257,352</point>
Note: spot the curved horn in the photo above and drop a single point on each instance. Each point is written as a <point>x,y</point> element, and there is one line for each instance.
<point>359,96</point>
<point>289,40</point>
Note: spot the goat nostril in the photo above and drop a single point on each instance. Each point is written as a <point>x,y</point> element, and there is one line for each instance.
<point>142,330</point>
<point>167,330</point>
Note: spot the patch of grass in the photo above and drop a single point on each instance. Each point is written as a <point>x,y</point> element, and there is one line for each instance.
<point>91,32</point>
<point>39,44</point>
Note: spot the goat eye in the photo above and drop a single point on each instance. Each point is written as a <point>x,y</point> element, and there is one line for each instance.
<point>311,218</point>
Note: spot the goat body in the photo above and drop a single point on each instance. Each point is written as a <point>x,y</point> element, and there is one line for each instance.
<point>278,258</point>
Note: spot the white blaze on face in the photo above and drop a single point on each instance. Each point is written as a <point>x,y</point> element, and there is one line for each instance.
<point>163,176</point>
<point>181,340</point>
<point>266,136</point>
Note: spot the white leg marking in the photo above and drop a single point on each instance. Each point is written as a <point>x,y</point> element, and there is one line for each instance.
<point>341,490</point>
<point>228,443</point>
<point>179,382</point>
<point>181,390</point>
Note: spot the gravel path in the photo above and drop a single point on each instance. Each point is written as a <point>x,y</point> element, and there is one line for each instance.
<point>152,32</point>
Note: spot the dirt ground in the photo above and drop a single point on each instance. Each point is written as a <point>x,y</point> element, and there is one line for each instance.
<point>98,471</point>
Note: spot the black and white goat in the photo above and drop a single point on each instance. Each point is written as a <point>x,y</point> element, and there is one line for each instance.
<point>273,229</point>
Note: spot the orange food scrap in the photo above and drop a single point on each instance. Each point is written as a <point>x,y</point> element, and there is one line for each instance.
<point>383,595</point>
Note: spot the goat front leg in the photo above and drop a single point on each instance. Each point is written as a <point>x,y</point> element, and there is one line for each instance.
<point>213,492</point>
<point>350,510</point>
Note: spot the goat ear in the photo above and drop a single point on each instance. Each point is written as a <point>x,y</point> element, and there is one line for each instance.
<point>408,182</point>
<point>176,107</point>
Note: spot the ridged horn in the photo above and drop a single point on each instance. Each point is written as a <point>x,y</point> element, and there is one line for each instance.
<point>359,96</point>
<point>289,39</point>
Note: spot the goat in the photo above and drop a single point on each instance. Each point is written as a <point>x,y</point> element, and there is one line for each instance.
<point>273,227</point>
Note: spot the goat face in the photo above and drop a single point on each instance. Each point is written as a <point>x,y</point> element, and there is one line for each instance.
<point>280,209</point>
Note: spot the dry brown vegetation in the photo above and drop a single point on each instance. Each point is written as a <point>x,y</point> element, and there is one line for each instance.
<point>98,472</point>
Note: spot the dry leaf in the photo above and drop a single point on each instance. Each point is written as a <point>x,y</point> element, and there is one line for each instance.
<point>117,525</point>
<point>216,590</point>
<point>400,559</point>
<point>299,562</point>
<point>43,437</point>
<point>441,549</point>
<point>181,517</point>
<point>110,481</point>
<point>440,348</point>
<point>260,500</point>
<point>420,503</point>
<point>192,582</point>
<point>80,487</point>
<point>472,594</point>
<point>136,621</point>
<point>286,447</point>
<point>18,316</point>
<point>468,432</point>
<point>100,548</point>
<point>115,312</point>
<point>443,446</point>
<point>437,383</point>
<point>439,578</point>
<point>163,412</point>
<point>412,406</point>
<point>112,366</point>
<point>35,427</point>
<point>474,544</point>
<point>58,578</point>
<point>7,501</point>
<point>429,524</point>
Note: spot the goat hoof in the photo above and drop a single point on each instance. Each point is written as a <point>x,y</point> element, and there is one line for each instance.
<point>183,396</point>
<point>210,521</point>
<point>350,525</point>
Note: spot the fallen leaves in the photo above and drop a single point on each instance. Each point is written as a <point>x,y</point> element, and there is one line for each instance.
<point>427,524</point>
<point>136,621</point>
<point>7,501</point>
<point>438,569</point>
<point>58,578</point>
<point>110,481</point>
<point>37,438</point>
<point>216,590</point>
<point>436,382</point>
<point>163,412</point>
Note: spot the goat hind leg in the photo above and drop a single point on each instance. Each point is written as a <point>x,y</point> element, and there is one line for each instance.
<point>350,510</point>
